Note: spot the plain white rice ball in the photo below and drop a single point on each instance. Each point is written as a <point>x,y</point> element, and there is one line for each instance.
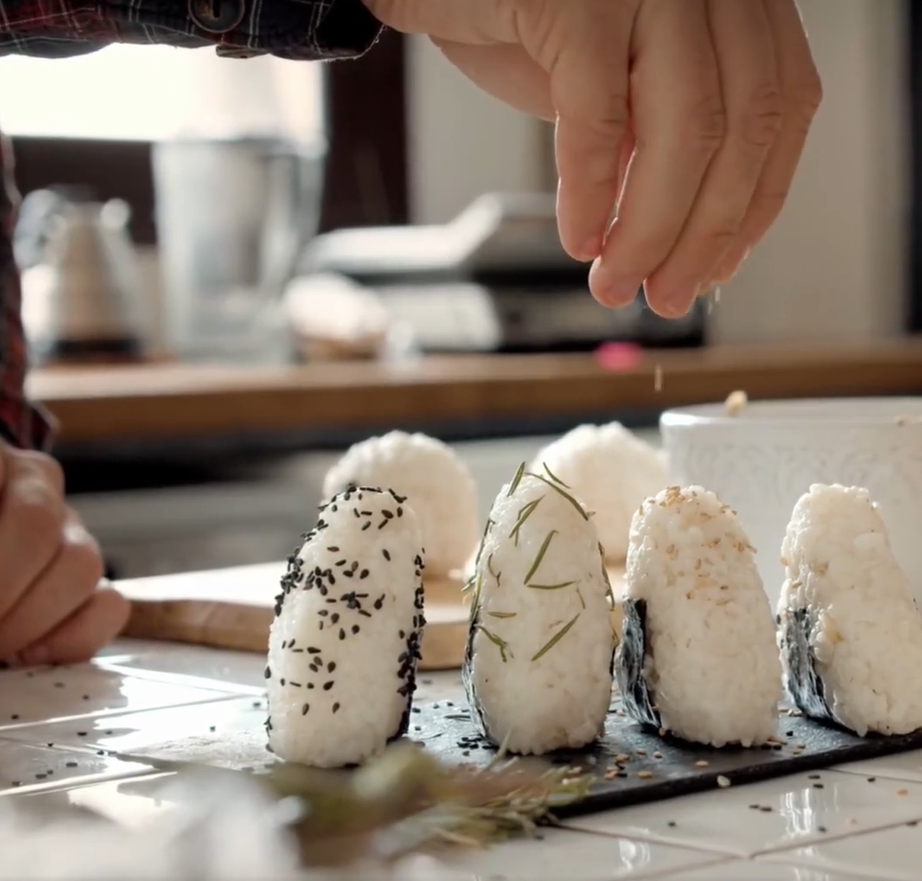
<point>849,629</point>
<point>538,667</point>
<point>438,484</point>
<point>345,642</point>
<point>698,655</point>
<point>611,471</point>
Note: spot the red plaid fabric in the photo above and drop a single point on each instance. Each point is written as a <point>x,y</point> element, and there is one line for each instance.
<point>295,29</point>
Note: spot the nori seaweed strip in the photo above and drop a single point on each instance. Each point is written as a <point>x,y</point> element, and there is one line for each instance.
<point>638,699</point>
<point>804,683</point>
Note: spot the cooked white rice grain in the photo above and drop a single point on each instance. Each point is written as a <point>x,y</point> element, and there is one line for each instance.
<point>611,471</point>
<point>698,655</point>
<point>344,646</point>
<point>437,483</point>
<point>538,668</point>
<point>849,630</point>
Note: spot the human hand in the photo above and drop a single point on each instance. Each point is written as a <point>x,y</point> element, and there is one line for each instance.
<point>683,119</point>
<point>52,609</point>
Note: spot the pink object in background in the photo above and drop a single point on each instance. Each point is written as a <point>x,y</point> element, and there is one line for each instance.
<point>618,357</point>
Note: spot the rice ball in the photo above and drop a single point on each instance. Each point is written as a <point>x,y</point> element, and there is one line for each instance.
<point>438,485</point>
<point>611,471</point>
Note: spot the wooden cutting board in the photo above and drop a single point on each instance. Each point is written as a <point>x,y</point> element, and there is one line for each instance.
<point>233,608</point>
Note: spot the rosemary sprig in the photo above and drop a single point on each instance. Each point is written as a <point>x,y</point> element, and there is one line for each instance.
<point>475,598</point>
<point>501,644</point>
<point>516,480</point>
<point>502,614</point>
<point>560,586</point>
<point>486,530</point>
<point>562,492</point>
<point>553,476</point>
<point>559,635</point>
<point>524,513</point>
<point>540,556</point>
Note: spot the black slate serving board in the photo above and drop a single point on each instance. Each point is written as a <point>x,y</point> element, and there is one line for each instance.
<point>676,768</point>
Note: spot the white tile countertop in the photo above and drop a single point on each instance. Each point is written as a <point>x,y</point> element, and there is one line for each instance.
<point>60,726</point>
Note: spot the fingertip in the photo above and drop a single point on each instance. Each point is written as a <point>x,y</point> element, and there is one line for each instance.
<point>671,304</point>
<point>610,291</point>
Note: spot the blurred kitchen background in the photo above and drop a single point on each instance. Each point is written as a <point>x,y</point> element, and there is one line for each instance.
<point>233,269</point>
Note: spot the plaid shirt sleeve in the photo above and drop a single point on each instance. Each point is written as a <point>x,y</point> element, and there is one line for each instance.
<point>295,29</point>
<point>21,423</point>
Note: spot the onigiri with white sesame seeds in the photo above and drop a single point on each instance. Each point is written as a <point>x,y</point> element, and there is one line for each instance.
<point>439,486</point>
<point>538,663</point>
<point>697,655</point>
<point>849,630</point>
<point>345,642</point>
<point>611,471</point>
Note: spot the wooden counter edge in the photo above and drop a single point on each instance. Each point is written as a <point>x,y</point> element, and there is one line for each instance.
<point>184,401</point>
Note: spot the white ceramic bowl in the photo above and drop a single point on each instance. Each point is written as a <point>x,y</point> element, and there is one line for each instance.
<point>763,459</point>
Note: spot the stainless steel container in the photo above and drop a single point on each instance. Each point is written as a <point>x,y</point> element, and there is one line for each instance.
<point>232,216</point>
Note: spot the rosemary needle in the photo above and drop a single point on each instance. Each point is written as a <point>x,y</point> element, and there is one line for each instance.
<point>502,614</point>
<point>559,635</point>
<point>501,644</point>
<point>525,512</point>
<point>553,476</point>
<point>516,480</point>
<point>551,586</point>
<point>562,492</point>
<point>540,555</point>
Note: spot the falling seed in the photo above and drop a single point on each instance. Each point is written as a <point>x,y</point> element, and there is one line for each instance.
<point>658,378</point>
<point>644,775</point>
<point>723,782</point>
<point>702,763</point>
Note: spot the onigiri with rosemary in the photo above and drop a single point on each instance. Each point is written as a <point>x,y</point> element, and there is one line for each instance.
<point>538,662</point>
<point>438,484</point>
<point>848,627</point>
<point>345,642</point>
<point>697,655</point>
<point>611,471</point>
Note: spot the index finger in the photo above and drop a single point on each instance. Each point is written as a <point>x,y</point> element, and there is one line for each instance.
<point>679,122</point>
<point>801,93</point>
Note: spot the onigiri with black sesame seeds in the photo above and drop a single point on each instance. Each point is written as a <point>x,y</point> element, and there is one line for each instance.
<point>345,642</point>
<point>697,656</point>
<point>538,662</point>
<point>611,471</point>
<point>438,485</point>
<point>849,630</point>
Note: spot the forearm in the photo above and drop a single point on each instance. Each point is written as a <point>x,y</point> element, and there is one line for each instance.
<point>297,29</point>
<point>21,424</point>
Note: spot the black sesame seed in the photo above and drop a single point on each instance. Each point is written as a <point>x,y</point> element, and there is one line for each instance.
<point>81,734</point>
<point>356,628</point>
<point>332,549</point>
<point>257,705</point>
<point>342,633</point>
<point>671,824</point>
<point>282,681</point>
<point>813,776</point>
<point>386,553</point>
<point>313,650</point>
<point>70,764</point>
<point>15,716</point>
<point>818,786</point>
<point>765,809</point>
<point>331,666</point>
<point>363,573</point>
<point>268,673</point>
<point>292,683</point>
<point>86,697</point>
<point>871,779</point>
<point>368,525</point>
<point>334,618</point>
<point>99,752</point>
<point>821,829</point>
<point>310,685</point>
<point>335,707</point>
<point>305,709</point>
<point>327,685</point>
